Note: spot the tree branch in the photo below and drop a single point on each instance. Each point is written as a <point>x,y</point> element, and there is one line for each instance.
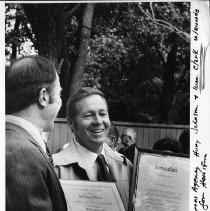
<point>70,12</point>
<point>165,24</point>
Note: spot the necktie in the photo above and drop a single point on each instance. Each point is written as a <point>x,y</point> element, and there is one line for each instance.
<point>49,153</point>
<point>103,173</point>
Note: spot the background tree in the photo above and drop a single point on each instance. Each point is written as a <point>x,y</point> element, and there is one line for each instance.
<point>141,60</point>
<point>137,53</point>
<point>49,33</point>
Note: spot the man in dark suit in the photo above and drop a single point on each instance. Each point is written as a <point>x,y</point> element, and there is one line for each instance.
<point>32,103</point>
<point>128,138</point>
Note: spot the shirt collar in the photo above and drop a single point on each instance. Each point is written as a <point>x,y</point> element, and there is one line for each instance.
<point>86,158</point>
<point>29,127</point>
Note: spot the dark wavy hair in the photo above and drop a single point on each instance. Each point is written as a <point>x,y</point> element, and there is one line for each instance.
<point>24,80</point>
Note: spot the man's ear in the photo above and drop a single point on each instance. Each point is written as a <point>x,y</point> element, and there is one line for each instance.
<point>70,122</point>
<point>112,140</point>
<point>43,97</point>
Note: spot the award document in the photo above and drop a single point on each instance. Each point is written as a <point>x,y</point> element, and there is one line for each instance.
<point>161,183</point>
<point>91,196</point>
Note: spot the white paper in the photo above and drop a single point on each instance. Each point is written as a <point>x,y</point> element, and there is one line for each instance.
<point>92,196</point>
<point>163,183</point>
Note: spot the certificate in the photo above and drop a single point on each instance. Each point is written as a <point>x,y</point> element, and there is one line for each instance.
<point>92,196</point>
<point>161,183</point>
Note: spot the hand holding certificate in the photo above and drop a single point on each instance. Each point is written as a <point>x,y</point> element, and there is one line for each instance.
<point>92,196</point>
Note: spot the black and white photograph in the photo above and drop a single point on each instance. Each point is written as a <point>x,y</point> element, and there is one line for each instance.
<point>105,105</point>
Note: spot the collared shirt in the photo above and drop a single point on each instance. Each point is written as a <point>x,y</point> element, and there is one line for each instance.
<point>29,127</point>
<point>86,160</point>
<point>117,152</point>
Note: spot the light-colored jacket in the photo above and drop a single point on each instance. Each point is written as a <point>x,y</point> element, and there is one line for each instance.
<point>67,168</point>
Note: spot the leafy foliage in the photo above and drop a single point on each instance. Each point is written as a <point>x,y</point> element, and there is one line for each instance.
<point>138,55</point>
<point>17,41</point>
<point>128,57</point>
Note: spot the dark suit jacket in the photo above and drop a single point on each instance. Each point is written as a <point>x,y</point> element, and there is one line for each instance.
<point>31,183</point>
<point>129,152</point>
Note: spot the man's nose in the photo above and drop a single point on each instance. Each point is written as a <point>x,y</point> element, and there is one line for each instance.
<point>98,119</point>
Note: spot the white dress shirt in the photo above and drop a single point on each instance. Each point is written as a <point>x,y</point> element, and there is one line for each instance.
<point>86,160</point>
<point>29,127</point>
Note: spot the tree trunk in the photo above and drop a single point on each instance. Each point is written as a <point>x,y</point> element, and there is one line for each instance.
<point>62,56</point>
<point>16,28</point>
<point>48,25</point>
<point>76,76</point>
<point>168,82</point>
<point>43,25</point>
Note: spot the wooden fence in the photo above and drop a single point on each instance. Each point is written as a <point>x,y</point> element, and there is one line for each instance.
<point>147,134</point>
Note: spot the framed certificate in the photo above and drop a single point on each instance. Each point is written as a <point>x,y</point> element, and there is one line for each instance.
<point>160,182</point>
<point>92,196</point>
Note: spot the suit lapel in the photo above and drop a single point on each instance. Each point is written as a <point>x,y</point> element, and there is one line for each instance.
<point>115,168</point>
<point>115,163</point>
<point>26,134</point>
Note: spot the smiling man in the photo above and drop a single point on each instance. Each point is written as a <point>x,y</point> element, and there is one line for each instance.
<point>88,118</point>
